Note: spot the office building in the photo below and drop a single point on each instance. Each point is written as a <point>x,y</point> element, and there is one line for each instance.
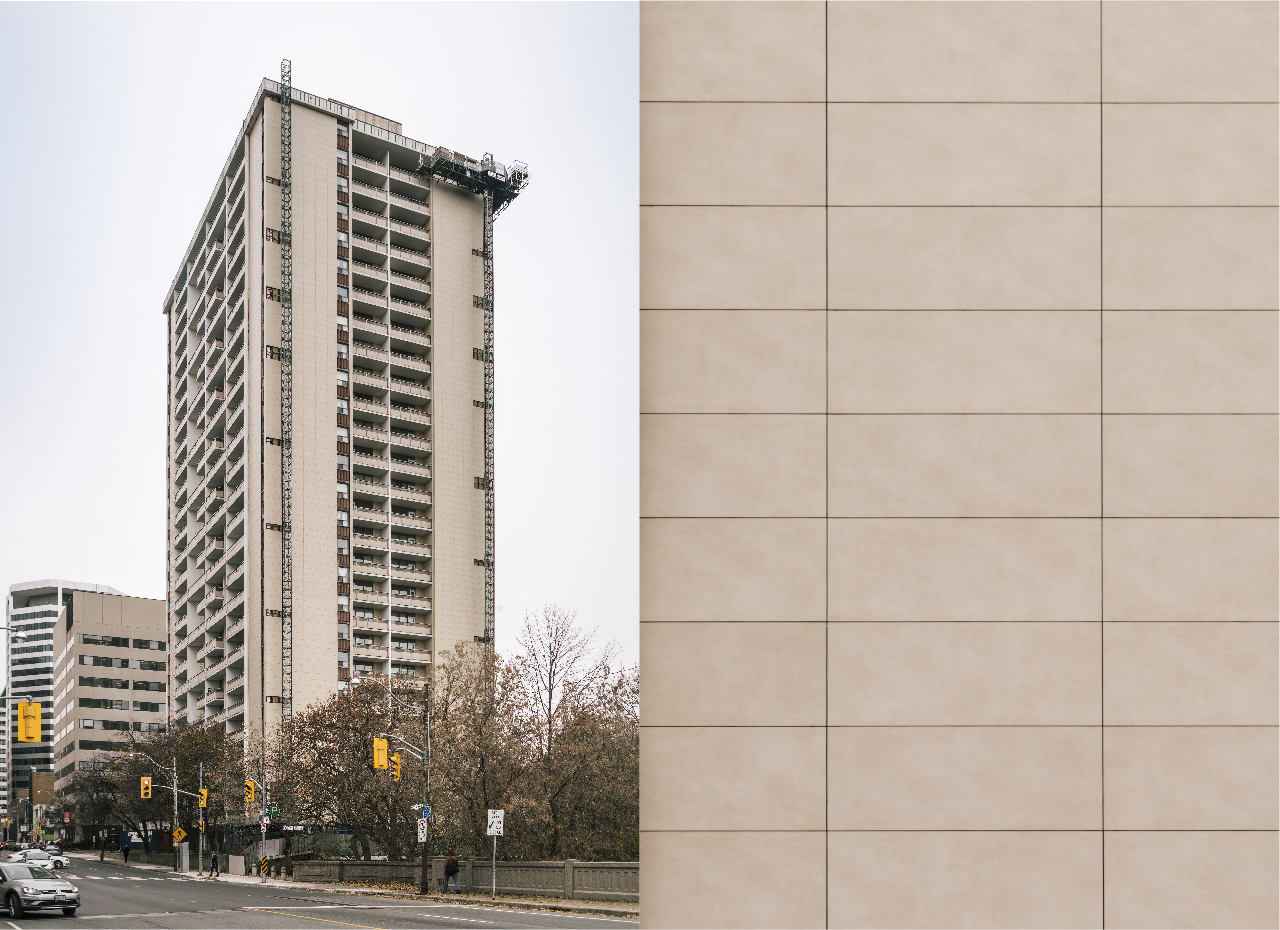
<point>328,491</point>
<point>34,610</point>
<point>959,464</point>
<point>110,677</point>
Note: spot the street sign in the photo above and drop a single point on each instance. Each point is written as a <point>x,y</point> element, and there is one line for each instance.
<point>495,823</point>
<point>66,816</point>
<point>179,833</point>
<point>422,830</point>
<point>426,811</point>
<point>274,810</point>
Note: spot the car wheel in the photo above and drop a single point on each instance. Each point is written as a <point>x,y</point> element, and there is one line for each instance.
<point>68,912</point>
<point>15,905</point>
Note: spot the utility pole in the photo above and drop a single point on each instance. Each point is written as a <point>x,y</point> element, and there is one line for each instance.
<point>175,812</point>
<point>200,865</point>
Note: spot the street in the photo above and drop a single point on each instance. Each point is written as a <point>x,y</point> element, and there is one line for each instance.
<point>116,896</point>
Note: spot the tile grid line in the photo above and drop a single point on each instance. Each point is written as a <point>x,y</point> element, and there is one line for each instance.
<point>1102,510</point>
<point>826,467</point>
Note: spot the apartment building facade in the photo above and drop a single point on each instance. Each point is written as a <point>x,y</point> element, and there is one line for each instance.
<point>110,677</point>
<point>959,464</point>
<point>36,610</point>
<point>383,407</point>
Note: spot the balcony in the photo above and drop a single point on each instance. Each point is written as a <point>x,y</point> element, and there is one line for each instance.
<point>409,440</point>
<point>409,466</point>
<point>370,407</point>
<point>368,514</point>
<point>364,351</point>
<point>418,415</point>
<point>368,569</point>
<point>361,596</point>
<point>367,651</point>
<point>368,541</point>
<point>373,435</point>
<point>410,574</point>
<point>405,386</point>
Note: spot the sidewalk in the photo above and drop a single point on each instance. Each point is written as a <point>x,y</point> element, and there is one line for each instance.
<point>624,909</point>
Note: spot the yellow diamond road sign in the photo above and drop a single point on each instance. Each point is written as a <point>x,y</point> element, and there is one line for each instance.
<point>179,833</point>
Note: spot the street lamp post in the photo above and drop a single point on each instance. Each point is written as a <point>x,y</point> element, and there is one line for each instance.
<point>425,758</point>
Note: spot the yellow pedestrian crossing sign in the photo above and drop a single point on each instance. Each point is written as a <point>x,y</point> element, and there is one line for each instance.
<point>178,834</point>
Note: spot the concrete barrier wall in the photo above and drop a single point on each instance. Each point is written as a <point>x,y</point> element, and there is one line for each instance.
<point>601,881</point>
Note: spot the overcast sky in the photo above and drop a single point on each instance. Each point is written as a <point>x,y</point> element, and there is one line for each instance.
<point>120,117</point>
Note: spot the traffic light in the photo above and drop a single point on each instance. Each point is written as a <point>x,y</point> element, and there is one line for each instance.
<point>248,791</point>
<point>28,722</point>
<point>395,767</point>
<point>146,786</point>
<point>204,797</point>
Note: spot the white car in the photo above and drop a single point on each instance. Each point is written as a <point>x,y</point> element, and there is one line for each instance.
<point>41,858</point>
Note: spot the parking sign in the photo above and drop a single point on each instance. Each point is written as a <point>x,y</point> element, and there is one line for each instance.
<point>422,830</point>
<point>495,823</point>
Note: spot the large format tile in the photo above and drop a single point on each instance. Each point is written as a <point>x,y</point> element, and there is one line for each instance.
<point>1190,466</point>
<point>733,361</point>
<point>1173,51</point>
<point>960,154</point>
<point>1198,879</point>
<point>1190,361</point>
<point>960,258</point>
<point>964,361</point>
<point>1191,778</point>
<point>972,879</point>
<point>739,569</point>
<point>732,51</point>
<point>733,674</point>
<point>1212,570</point>
<point>966,569</point>
<point>1019,52</point>
<point>1185,154</point>
<point>732,466</point>
<point>933,674</point>
<point>1190,258</point>
<point>732,258</point>
<point>733,153</point>
<point>964,778</point>
<point>1178,674</point>
<point>732,778</point>
<point>731,880</point>
<point>964,466</point>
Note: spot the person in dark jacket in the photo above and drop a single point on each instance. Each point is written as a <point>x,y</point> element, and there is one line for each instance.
<point>451,871</point>
<point>124,847</point>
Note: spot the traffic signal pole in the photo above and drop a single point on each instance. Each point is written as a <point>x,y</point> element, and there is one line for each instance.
<point>200,864</point>
<point>175,811</point>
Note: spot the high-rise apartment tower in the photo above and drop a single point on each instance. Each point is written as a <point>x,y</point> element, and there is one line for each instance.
<point>330,404</point>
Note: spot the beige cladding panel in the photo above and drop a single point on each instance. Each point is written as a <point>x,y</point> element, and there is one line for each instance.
<point>457,423</point>
<point>958,480</point>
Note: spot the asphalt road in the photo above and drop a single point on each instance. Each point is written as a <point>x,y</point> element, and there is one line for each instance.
<point>118,897</point>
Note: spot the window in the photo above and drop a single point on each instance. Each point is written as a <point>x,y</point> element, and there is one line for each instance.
<point>148,686</point>
<point>149,706</point>
<point>103,683</point>
<point>119,641</point>
<point>148,644</point>
<point>363,669</point>
<point>104,661</point>
<point>149,665</point>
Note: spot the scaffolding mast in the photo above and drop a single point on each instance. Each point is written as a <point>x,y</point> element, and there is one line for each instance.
<point>498,186</point>
<point>286,389</point>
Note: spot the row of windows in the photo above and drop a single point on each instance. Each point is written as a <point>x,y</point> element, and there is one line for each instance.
<point>120,642</point>
<point>125,725</point>
<point>146,665</point>
<point>21,618</point>
<point>121,683</point>
<point>150,707</point>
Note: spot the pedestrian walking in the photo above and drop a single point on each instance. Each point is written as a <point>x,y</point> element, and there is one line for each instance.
<point>451,871</point>
<point>213,868</point>
<point>124,847</point>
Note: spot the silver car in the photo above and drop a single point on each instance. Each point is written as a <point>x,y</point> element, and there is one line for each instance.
<point>33,888</point>
<point>42,858</point>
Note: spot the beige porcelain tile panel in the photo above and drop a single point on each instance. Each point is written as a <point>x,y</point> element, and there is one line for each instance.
<point>733,674</point>
<point>732,466</point>
<point>1191,778</point>
<point>1178,674</point>
<point>1209,570</point>
<point>933,674</point>
<point>733,153</point>
<point>733,361</point>
<point>724,570</point>
<point>1191,361</point>
<point>964,778</point>
<point>732,51</point>
<point>1181,52</point>
<point>960,154</point>
<point>732,258</point>
<point>1190,258</point>
<point>732,778</point>
<point>964,361</point>
<point>963,52</point>
<point>1223,880</point>
<point>714,880</point>
<point>981,258</point>
<point>1204,154</point>
<point>964,466</point>
<point>969,569</point>
<point>1190,466</point>
<point>971,879</point>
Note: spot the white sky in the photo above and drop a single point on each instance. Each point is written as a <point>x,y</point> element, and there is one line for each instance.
<point>119,118</point>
